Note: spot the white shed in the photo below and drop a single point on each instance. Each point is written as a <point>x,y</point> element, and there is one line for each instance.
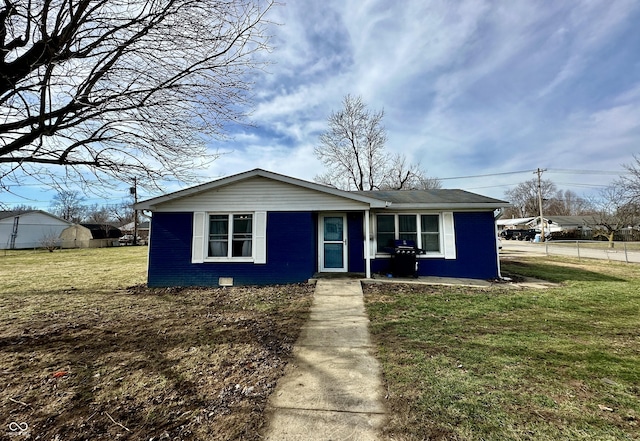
<point>29,229</point>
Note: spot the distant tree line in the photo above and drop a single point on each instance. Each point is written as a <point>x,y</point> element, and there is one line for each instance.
<point>70,205</point>
<point>555,202</point>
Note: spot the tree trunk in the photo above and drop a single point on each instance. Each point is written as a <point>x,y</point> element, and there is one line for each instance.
<point>611,243</point>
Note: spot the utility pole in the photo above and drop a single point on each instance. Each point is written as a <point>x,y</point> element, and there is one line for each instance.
<point>134,191</point>
<point>539,172</point>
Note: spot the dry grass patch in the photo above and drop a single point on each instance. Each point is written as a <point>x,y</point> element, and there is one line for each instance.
<point>86,352</point>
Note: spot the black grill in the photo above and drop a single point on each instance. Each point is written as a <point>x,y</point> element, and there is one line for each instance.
<point>403,258</point>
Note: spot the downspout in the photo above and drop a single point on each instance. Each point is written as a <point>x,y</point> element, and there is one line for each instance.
<point>495,235</point>
<point>367,245</point>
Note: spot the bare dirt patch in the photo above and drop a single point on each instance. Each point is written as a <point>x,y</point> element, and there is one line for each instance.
<point>142,364</point>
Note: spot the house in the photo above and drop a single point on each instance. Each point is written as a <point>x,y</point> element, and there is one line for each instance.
<point>552,224</point>
<point>517,223</point>
<point>142,229</point>
<point>29,229</point>
<point>89,236</point>
<point>260,227</point>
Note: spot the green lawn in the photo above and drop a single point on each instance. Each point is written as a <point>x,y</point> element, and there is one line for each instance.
<point>513,364</point>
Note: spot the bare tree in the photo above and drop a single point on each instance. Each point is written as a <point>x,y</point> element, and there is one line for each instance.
<point>68,204</point>
<point>122,213</point>
<point>568,203</point>
<point>353,152</point>
<point>352,148</point>
<point>23,208</point>
<point>50,242</point>
<point>122,88</point>
<point>401,175</point>
<point>632,180</point>
<point>95,214</point>
<point>615,210</point>
<point>524,197</point>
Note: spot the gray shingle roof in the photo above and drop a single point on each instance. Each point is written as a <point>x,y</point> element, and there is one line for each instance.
<point>432,197</point>
<point>12,213</point>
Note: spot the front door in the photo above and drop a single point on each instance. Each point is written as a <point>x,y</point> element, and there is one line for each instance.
<point>332,243</point>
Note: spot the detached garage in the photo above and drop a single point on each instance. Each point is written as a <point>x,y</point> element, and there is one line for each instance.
<point>29,229</point>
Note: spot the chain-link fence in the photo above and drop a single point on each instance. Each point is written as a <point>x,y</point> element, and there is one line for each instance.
<point>628,252</point>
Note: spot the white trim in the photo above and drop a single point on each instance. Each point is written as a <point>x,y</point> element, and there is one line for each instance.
<point>260,237</point>
<point>449,233</point>
<point>367,244</point>
<point>198,241</point>
<point>321,243</point>
<point>229,257</point>
<point>444,252</point>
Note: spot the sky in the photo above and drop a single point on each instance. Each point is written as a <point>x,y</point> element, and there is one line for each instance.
<point>479,93</point>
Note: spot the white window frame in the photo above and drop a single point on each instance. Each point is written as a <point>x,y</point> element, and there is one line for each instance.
<point>200,245</point>
<point>446,234</point>
<point>230,233</point>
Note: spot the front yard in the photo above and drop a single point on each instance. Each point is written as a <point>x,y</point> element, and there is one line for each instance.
<point>88,353</point>
<point>510,364</point>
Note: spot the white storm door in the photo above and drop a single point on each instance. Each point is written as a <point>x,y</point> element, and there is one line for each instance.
<point>332,243</point>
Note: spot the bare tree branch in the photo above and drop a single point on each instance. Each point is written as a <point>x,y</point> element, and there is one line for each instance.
<point>524,197</point>
<point>614,210</point>
<point>123,87</point>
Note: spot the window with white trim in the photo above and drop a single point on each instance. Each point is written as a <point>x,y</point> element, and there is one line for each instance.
<point>423,229</point>
<point>230,235</point>
<point>240,237</point>
<point>430,233</point>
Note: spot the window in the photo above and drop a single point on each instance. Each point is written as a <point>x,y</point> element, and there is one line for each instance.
<point>429,228</point>
<point>230,235</point>
<point>385,231</point>
<point>423,229</point>
<point>407,229</point>
<point>221,237</point>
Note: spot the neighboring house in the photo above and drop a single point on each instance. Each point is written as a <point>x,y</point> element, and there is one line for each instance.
<point>260,227</point>
<point>89,236</point>
<point>143,229</point>
<point>517,223</point>
<point>552,224</point>
<point>29,229</point>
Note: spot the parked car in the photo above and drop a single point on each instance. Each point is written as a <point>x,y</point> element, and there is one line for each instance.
<point>128,239</point>
<point>528,235</point>
<point>518,234</point>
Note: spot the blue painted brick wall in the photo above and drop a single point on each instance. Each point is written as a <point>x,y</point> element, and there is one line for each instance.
<point>291,253</point>
<point>475,247</point>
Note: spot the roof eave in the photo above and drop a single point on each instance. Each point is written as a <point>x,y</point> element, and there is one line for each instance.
<point>454,206</point>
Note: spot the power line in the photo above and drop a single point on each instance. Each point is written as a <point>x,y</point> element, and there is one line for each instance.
<point>575,184</point>
<point>551,170</point>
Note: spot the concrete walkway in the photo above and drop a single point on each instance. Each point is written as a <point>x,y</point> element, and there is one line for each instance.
<point>332,389</point>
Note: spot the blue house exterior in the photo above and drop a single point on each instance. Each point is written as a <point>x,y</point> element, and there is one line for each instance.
<point>259,228</point>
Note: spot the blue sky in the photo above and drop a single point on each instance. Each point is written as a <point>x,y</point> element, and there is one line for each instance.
<point>468,88</point>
